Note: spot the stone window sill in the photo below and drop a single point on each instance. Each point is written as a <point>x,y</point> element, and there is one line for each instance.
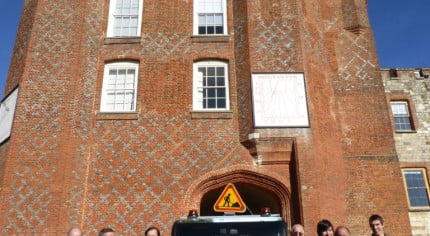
<point>405,131</point>
<point>116,116</point>
<point>210,38</point>
<point>122,40</point>
<point>211,115</point>
<point>424,209</point>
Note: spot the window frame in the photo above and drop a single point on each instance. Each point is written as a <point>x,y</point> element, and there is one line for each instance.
<point>426,185</point>
<point>418,73</point>
<point>196,19</point>
<point>409,116</point>
<point>111,20</point>
<point>118,65</point>
<point>198,86</point>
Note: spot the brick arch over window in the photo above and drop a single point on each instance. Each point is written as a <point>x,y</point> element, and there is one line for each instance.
<point>216,180</point>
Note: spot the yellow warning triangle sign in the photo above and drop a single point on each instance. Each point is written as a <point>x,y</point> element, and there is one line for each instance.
<point>230,200</point>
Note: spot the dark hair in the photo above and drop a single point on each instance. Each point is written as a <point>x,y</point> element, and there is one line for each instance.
<point>152,228</point>
<point>105,230</point>
<point>323,225</point>
<point>336,232</point>
<point>376,217</point>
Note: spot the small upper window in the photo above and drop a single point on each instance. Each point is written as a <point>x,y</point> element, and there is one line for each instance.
<point>210,17</point>
<point>418,73</point>
<point>119,87</point>
<point>402,118</point>
<point>210,86</point>
<point>417,188</point>
<point>393,73</point>
<point>125,17</point>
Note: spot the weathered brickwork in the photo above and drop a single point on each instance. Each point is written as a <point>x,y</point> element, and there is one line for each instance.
<point>3,153</point>
<point>68,164</point>
<point>365,175</point>
<point>412,147</point>
<point>242,68</point>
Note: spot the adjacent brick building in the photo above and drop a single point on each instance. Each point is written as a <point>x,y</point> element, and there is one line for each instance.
<point>130,113</point>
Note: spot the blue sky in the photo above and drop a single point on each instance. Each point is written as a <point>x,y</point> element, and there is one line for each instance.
<point>401,29</point>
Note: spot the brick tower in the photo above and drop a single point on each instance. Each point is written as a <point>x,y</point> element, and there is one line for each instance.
<point>130,112</point>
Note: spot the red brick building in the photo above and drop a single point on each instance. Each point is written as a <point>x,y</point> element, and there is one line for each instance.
<point>131,112</point>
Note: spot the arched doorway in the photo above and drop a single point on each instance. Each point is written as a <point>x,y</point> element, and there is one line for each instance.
<point>257,189</point>
<point>253,196</point>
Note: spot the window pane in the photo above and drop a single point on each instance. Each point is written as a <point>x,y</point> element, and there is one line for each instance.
<point>399,109</point>
<point>202,20</point>
<point>220,81</point>
<point>211,93</point>
<point>221,93</point>
<point>126,22</point>
<point>211,71</point>
<point>402,123</point>
<point>210,20</point>
<point>219,29</point>
<point>220,71</point>
<point>221,103</point>
<point>202,30</point>
<point>218,19</point>
<point>133,22</point>
<point>211,103</point>
<point>416,188</point>
<point>211,81</point>
<point>135,7</point>
<point>118,7</point>
<point>210,30</point>
<point>418,197</point>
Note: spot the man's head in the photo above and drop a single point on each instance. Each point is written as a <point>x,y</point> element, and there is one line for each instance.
<point>376,223</point>
<point>107,232</point>
<point>152,231</point>
<point>297,230</point>
<point>342,231</point>
<point>74,232</point>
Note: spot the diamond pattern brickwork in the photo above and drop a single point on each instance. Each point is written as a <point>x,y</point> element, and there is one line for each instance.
<point>35,152</point>
<point>276,46</point>
<point>83,98</point>
<point>142,168</point>
<point>357,65</point>
<point>67,166</point>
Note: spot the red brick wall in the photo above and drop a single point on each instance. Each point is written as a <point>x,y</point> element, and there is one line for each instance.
<point>70,165</point>
<point>376,187</point>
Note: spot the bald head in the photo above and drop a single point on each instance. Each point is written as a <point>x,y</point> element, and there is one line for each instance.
<point>342,231</point>
<point>297,230</point>
<point>74,232</point>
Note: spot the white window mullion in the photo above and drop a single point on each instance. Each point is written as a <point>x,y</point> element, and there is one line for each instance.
<point>120,14</point>
<point>119,87</point>
<point>216,103</point>
<point>206,9</point>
